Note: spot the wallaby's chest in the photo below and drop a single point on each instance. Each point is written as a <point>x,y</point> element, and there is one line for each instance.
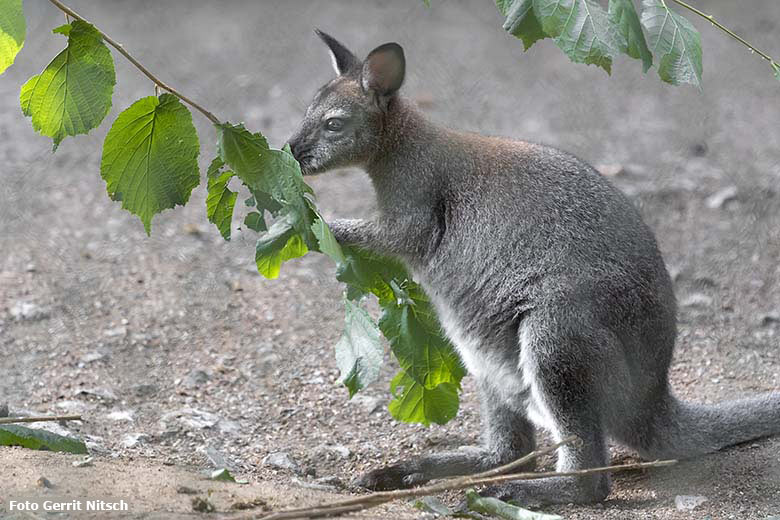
<point>501,362</point>
<point>491,358</point>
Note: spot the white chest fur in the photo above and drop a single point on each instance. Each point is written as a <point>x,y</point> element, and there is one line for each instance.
<point>511,375</point>
<point>489,364</point>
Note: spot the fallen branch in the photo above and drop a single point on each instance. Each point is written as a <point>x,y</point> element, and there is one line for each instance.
<point>12,420</point>
<point>374,499</point>
<point>496,475</point>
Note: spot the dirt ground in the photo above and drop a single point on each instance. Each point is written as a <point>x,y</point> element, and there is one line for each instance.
<point>181,358</point>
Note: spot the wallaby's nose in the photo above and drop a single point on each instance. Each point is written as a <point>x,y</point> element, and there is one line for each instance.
<point>295,146</point>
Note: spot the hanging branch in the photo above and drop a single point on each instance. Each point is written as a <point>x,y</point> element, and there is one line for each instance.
<point>119,47</point>
<point>731,33</point>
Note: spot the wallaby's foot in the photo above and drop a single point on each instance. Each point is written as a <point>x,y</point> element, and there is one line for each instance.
<point>553,490</point>
<point>464,461</point>
<point>397,476</point>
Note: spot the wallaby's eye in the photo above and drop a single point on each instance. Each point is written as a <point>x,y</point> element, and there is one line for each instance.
<point>334,124</point>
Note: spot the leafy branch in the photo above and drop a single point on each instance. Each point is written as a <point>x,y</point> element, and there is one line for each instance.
<point>150,164</point>
<point>121,49</point>
<point>712,20</point>
<point>588,34</point>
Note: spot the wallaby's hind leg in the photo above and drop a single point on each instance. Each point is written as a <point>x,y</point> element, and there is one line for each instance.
<point>563,371</point>
<point>507,436</point>
<point>590,453</point>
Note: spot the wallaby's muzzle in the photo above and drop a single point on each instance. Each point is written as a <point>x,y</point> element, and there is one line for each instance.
<point>301,151</point>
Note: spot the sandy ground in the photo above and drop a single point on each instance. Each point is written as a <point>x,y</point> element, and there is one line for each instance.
<point>181,357</point>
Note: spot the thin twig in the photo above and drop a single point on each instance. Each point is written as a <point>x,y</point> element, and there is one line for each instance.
<point>376,499</point>
<point>444,485</point>
<point>488,477</point>
<point>118,46</point>
<point>728,31</point>
<point>12,420</point>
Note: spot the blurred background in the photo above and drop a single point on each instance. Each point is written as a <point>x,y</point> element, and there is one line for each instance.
<point>176,350</point>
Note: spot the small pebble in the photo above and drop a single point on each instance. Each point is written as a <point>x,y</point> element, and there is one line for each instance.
<point>184,490</point>
<point>28,311</point>
<point>202,505</point>
<point>688,502</point>
<point>720,198</point>
<point>281,460</point>
<point>697,300</point>
<point>82,463</point>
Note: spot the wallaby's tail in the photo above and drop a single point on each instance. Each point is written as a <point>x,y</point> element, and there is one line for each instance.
<point>683,429</point>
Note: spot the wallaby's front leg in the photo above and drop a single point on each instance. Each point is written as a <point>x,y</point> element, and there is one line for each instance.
<point>507,436</point>
<point>356,232</point>
<point>365,234</point>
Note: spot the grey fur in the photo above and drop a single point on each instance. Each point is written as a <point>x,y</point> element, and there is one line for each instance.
<point>546,280</point>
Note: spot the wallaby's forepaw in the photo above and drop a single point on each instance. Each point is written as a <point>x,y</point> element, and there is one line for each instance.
<point>397,476</point>
<point>344,230</point>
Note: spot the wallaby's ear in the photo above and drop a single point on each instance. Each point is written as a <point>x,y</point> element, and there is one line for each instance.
<point>384,69</point>
<point>343,59</point>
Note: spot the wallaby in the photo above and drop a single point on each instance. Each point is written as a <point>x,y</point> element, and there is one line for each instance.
<point>544,276</point>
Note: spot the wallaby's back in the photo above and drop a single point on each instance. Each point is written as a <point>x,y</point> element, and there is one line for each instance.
<point>518,226</point>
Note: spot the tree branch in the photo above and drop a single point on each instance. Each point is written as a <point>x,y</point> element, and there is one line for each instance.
<point>361,503</point>
<point>728,31</point>
<point>12,420</point>
<point>119,47</point>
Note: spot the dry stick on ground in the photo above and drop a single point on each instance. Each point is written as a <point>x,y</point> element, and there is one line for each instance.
<point>488,477</point>
<point>376,499</point>
<point>12,420</point>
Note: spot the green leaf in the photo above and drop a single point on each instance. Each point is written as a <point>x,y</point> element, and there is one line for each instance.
<point>521,21</point>
<point>675,42</point>
<point>581,29</point>
<point>495,507</point>
<point>431,371</point>
<point>266,171</point>
<point>255,221</point>
<point>776,68</point>
<point>327,242</point>
<point>12,31</point>
<point>422,405</point>
<point>150,157</point>
<point>359,352</point>
<point>414,333</point>
<point>275,180</point>
<point>73,93</point>
<point>216,167</point>
<point>34,439</point>
<point>220,201</point>
<point>245,152</point>
<point>367,273</point>
<point>431,504</point>
<point>622,15</point>
<point>281,243</point>
<point>222,475</point>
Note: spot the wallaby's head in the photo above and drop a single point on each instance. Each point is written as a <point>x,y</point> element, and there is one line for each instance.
<point>344,122</point>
